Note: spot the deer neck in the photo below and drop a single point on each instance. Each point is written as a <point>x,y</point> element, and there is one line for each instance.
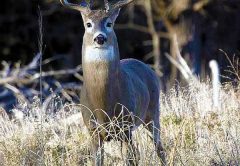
<point>101,75</point>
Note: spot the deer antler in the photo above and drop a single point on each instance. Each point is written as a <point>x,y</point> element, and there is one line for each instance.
<point>82,7</point>
<point>106,5</point>
<point>117,5</point>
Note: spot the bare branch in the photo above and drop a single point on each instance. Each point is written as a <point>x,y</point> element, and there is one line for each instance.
<point>17,93</point>
<point>181,64</point>
<point>26,79</point>
<point>215,82</point>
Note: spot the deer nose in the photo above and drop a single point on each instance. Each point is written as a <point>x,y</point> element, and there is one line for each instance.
<point>100,39</point>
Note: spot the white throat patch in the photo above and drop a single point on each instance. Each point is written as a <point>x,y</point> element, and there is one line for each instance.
<point>94,54</point>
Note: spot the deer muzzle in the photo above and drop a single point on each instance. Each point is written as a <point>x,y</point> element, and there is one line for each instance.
<point>100,39</point>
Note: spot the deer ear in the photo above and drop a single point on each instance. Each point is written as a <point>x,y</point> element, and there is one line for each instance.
<point>115,14</point>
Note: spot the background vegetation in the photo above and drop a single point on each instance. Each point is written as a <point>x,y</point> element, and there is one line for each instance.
<point>202,26</point>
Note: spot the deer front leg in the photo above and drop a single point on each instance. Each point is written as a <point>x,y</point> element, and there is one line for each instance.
<point>97,150</point>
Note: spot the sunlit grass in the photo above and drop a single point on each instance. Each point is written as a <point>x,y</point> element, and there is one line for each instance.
<point>192,130</point>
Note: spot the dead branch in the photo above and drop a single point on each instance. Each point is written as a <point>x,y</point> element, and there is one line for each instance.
<point>27,78</point>
<point>181,64</point>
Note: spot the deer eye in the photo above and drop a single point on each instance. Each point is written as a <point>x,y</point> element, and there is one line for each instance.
<point>89,25</point>
<point>109,24</point>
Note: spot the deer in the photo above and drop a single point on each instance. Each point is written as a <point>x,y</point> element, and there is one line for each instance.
<point>107,80</point>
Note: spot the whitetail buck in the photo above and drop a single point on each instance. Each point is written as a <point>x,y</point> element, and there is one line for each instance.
<point>109,80</point>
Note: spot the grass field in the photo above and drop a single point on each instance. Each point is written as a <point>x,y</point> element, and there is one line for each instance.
<point>192,130</point>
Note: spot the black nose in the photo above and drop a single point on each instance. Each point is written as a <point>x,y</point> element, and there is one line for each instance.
<point>100,39</point>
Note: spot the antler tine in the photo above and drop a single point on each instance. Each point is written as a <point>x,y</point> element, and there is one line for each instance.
<point>106,5</point>
<point>121,3</point>
<point>83,6</point>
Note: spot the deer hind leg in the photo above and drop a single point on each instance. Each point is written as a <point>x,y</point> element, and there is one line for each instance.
<point>131,151</point>
<point>154,128</point>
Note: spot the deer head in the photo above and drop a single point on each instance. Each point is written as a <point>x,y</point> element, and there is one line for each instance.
<point>98,24</point>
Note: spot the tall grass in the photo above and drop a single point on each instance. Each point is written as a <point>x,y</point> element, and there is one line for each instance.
<point>193,132</point>
<point>197,133</point>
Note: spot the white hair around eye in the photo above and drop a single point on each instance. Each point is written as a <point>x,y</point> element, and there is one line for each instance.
<point>108,25</point>
<point>89,26</point>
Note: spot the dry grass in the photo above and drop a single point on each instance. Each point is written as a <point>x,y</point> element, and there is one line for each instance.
<point>193,133</point>
<point>196,133</point>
